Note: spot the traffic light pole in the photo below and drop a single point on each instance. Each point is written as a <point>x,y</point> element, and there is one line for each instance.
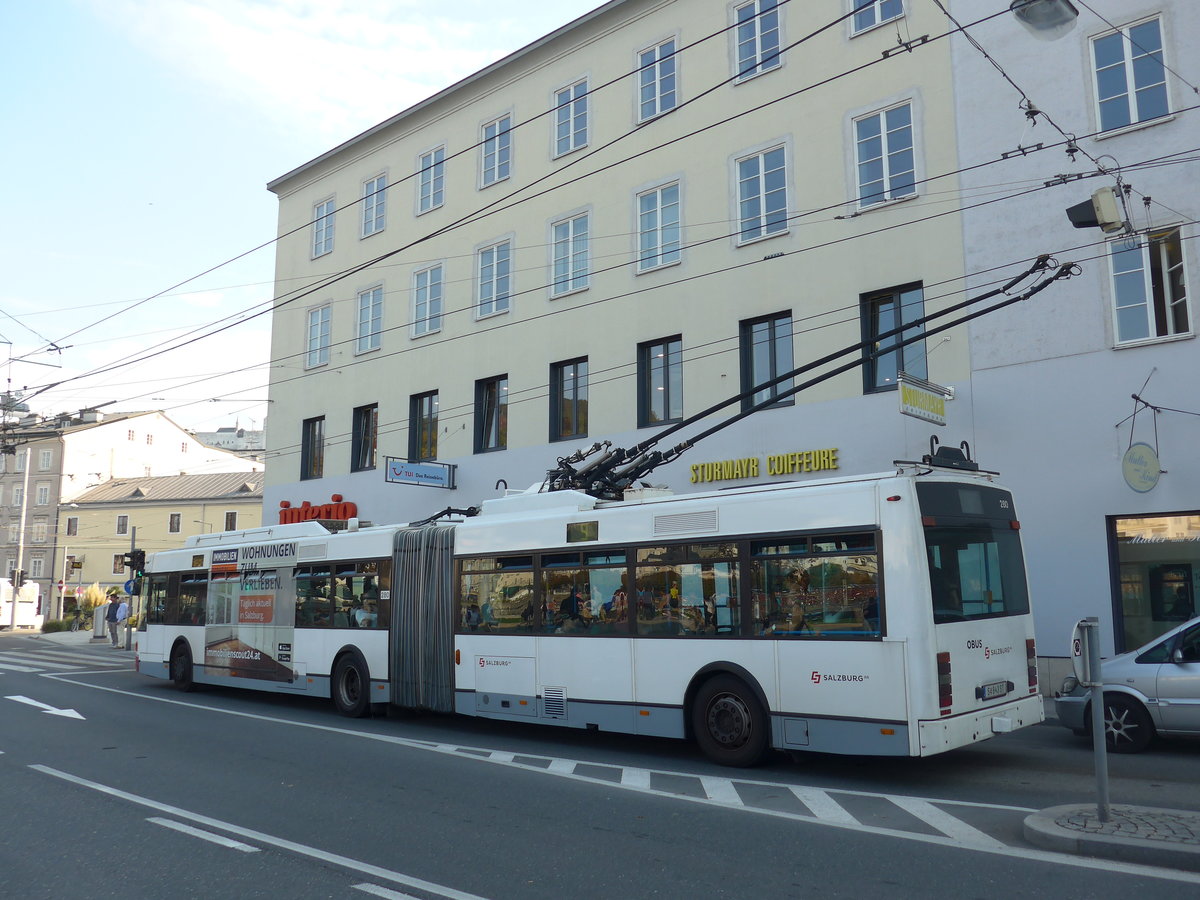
<point>19,570</point>
<point>132,577</point>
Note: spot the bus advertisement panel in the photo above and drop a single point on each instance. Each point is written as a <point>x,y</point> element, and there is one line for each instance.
<point>250,621</point>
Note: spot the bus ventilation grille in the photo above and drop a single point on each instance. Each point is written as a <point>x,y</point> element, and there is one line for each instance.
<point>554,703</point>
<point>686,523</point>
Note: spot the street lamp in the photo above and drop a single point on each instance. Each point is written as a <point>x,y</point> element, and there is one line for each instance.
<point>1046,20</point>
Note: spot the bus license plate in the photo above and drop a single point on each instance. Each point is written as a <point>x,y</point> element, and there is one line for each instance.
<point>995,689</point>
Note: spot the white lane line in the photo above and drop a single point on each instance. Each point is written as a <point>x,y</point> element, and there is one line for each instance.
<point>636,778</point>
<point>945,823</point>
<point>335,859</point>
<point>13,667</point>
<point>382,892</point>
<point>562,766</point>
<point>204,835</point>
<point>720,790</point>
<point>822,805</point>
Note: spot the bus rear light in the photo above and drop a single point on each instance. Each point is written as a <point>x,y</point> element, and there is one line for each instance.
<point>1031,663</point>
<point>458,657</point>
<point>945,686</point>
<point>894,498</point>
<point>1014,525</point>
<point>888,731</point>
<point>928,521</point>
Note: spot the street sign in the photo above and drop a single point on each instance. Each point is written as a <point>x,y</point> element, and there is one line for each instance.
<point>60,585</point>
<point>131,586</point>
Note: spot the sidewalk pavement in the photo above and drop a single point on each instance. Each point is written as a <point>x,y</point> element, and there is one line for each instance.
<point>79,638</point>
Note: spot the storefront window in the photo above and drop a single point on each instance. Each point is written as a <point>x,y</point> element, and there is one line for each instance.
<point>1158,572</point>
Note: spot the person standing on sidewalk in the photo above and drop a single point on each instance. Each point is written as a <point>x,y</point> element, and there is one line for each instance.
<point>118,612</point>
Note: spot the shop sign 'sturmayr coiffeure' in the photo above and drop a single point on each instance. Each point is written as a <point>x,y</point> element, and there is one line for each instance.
<point>774,464</point>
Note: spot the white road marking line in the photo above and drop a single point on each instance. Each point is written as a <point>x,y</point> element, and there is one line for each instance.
<point>562,766</point>
<point>944,822</point>
<point>13,667</point>
<point>636,778</point>
<point>335,859</point>
<point>204,835</point>
<point>1021,853</point>
<point>822,805</point>
<point>382,892</point>
<point>720,790</point>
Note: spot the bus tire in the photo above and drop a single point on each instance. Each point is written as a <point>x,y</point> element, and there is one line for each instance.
<point>351,688</point>
<point>728,722</point>
<point>181,667</point>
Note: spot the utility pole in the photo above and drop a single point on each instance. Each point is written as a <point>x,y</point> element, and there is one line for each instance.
<point>12,625</point>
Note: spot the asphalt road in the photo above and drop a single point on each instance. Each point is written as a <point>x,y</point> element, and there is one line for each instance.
<point>223,793</point>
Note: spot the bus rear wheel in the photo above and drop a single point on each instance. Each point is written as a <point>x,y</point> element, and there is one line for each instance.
<point>181,667</point>
<point>351,687</point>
<point>729,723</point>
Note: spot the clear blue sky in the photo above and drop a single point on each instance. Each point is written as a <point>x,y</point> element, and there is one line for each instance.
<point>139,136</point>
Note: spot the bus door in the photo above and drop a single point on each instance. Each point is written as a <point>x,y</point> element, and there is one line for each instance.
<point>979,597</point>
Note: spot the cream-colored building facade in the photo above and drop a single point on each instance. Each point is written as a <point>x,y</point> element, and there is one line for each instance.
<point>665,201</point>
<point>104,523</point>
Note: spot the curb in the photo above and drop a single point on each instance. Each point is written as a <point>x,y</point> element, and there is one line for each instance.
<point>1140,834</point>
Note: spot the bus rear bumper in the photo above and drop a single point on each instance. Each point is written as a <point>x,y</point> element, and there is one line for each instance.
<point>939,735</point>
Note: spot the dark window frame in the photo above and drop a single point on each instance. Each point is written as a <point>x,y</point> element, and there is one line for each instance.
<point>780,335</point>
<point>672,352</point>
<point>312,448</point>
<point>491,414</point>
<point>364,441</point>
<point>910,359</point>
<point>422,426</point>
<point>571,408</point>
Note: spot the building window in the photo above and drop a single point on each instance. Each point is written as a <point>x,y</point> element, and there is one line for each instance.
<point>231,521</point>
<point>45,460</point>
<point>43,495</point>
<point>38,535</point>
<point>766,353</point>
<point>369,327</point>
<point>422,426</point>
<point>883,312</point>
<point>660,381</point>
<point>20,462</point>
<point>568,400</point>
<point>885,162</point>
<point>130,435</point>
<point>570,250</point>
<point>174,523</point>
<point>427,301</point>
<point>656,80</point>
<point>37,565</point>
<point>432,182</point>
<point>72,526</point>
<point>18,494</point>
<point>757,36</point>
<point>318,337</point>
<point>1158,572</point>
<point>869,13</point>
<point>495,279</point>
<point>183,448</point>
<point>118,567</point>
<point>491,414</point>
<point>1149,286</point>
<point>497,150</point>
<point>322,229</point>
<point>571,118</point>
<point>122,524</point>
<point>14,533</point>
<point>363,441</point>
<point>149,440</point>
<point>762,194</point>
<point>312,448</point>
<point>658,227</point>
<point>1131,80</point>
<point>374,209</point>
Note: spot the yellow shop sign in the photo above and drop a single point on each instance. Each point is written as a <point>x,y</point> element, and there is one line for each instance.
<point>776,464</point>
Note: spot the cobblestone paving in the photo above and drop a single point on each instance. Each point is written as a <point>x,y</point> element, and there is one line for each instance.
<point>1168,826</point>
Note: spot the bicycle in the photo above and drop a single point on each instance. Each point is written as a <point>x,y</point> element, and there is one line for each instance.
<point>80,622</point>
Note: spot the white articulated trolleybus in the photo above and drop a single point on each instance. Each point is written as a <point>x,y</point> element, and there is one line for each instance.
<point>883,614</point>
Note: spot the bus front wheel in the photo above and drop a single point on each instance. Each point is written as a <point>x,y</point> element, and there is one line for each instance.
<point>351,687</point>
<point>729,723</point>
<point>181,667</point>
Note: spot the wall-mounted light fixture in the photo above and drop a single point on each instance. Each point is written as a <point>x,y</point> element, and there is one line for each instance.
<point>1046,20</point>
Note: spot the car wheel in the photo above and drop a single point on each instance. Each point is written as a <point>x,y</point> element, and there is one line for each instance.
<point>1127,725</point>
<point>729,723</point>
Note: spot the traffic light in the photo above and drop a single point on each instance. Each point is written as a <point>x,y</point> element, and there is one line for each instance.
<point>19,578</point>
<point>135,561</point>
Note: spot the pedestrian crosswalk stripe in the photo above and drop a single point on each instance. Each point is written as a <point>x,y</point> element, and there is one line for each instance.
<point>944,822</point>
<point>821,805</point>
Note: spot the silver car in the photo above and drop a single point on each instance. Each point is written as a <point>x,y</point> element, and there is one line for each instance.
<point>1152,690</point>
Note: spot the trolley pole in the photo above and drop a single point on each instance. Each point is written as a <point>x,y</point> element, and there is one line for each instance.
<point>1085,654</point>
<point>132,573</point>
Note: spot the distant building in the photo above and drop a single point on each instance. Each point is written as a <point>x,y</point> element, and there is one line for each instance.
<point>98,527</point>
<point>242,441</point>
<point>69,455</point>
